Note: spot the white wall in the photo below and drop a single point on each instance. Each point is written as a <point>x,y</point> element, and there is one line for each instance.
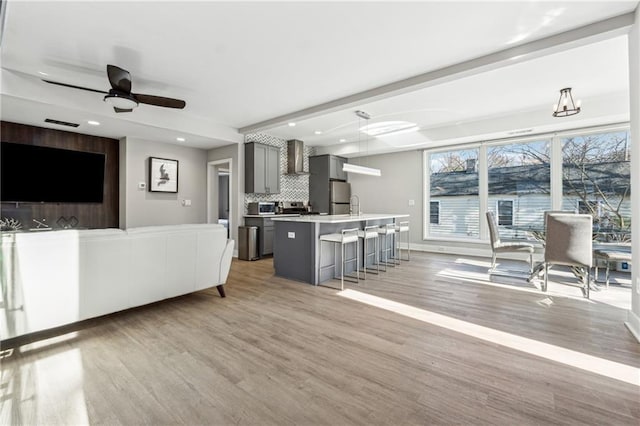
<point>400,182</point>
<point>634,95</point>
<point>139,207</point>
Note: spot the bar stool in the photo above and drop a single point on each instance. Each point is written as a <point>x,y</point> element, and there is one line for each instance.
<point>347,236</point>
<point>385,231</point>
<point>369,233</point>
<point>403,228</point>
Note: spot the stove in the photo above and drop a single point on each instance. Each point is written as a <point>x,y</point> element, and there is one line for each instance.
<point>294,207</point>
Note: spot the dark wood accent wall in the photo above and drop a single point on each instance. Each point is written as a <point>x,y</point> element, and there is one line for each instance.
<point>89,215</point>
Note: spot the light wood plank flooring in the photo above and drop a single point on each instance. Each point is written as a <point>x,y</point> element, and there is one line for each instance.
<point>278,352</point>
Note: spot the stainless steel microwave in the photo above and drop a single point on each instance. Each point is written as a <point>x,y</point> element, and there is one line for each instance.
<point>262,207</point>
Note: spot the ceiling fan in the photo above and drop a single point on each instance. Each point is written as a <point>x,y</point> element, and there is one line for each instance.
<point>120,95</point>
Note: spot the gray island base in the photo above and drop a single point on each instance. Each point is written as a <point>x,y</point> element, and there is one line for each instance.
<point>296,245</point>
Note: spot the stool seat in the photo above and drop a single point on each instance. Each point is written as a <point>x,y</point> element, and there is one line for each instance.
<point>346,236</point>
<point>386,230</point>
<point>340,238</point>
<point>368,234</point>
<point>401,228</point>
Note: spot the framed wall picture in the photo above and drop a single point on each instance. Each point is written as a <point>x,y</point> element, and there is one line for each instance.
<point>163,175</point>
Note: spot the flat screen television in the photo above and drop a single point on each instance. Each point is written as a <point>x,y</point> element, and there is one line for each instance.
<point>32,173</point>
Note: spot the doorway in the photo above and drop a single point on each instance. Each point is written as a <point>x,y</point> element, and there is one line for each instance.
<point>219,206</point>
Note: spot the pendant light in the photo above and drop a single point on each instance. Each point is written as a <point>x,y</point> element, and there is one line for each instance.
<point>565,106</point>
<point>353,168</point>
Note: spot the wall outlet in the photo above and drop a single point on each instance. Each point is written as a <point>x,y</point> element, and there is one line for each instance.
<point>142,185</point>
<point>412,203</point>
<point>291,234</point>
<point>186,203</point>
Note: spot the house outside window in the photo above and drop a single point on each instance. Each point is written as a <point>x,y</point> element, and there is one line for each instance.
<point>505,212</point>
<point>519,180</point>
<point>453,184</point>
<point>519,185</point>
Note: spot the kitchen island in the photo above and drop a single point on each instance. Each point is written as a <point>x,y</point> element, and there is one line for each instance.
<point>296,245</point>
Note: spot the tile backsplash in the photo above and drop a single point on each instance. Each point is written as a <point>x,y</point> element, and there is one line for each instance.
<point>292,187</point>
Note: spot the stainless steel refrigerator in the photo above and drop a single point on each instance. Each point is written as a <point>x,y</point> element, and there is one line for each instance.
<point>339,196</point>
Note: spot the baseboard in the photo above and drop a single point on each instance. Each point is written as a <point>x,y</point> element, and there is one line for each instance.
<point>472,249</point>
<point>633,324</point>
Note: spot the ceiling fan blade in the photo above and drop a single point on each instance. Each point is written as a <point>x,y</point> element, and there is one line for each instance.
<point>74,87</point>
<point>120,79</point>
<point>116,109</point>
<point>159,101</point>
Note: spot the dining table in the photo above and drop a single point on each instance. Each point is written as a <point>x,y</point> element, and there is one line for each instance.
<point>603,238</point>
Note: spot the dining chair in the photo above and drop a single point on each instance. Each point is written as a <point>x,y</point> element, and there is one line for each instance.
<point>498,246</point>
<point>568,242</point>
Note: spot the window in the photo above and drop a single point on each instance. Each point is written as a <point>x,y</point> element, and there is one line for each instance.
<point>519,176</point>
<point>454,188</point>
<point>593,176</point>
<point>434,212</point>
<point>505,212</point>
<point>596,180</point>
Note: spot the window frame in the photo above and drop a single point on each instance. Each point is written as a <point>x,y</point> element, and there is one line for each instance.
<point>556,157</point>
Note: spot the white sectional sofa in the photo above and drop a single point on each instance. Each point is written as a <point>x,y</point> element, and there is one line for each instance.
<point>54,278</point>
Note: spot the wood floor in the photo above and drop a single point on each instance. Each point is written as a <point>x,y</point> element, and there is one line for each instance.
<point>278,352</point>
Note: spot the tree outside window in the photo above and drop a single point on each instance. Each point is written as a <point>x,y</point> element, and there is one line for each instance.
<point>596,173</point>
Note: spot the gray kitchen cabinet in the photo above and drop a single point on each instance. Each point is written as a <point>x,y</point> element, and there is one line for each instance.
<point>265,233</point>
<point>262,168</point>
<point>335,168</point>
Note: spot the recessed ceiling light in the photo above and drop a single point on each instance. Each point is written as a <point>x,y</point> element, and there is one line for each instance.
<point>292,124</point>
<point>318,132</point>
<point>93,122</point>
<point>343,140</point>
<point>42,73</point>
<point>180,139</point>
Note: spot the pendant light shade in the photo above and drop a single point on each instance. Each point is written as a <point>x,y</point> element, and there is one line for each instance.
<point>353,168</point>
<point>566,106</point>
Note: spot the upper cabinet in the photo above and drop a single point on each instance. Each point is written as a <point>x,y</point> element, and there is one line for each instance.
<point>327,167</point>
<point>262,168</point>
<point>335,168</point>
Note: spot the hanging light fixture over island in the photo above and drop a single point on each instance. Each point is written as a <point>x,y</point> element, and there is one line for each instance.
<point>354,168</point>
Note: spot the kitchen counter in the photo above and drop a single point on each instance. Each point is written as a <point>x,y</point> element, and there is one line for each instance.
<point>339,218</point>
<point>271,216</point>
<point>296,244</point>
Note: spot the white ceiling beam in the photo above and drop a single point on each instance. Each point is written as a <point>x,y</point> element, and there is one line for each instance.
<point>581,36</point>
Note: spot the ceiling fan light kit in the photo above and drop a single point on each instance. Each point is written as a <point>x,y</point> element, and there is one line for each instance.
<point>121,101</point>
<point>120,95</point>
<point>566,106</point>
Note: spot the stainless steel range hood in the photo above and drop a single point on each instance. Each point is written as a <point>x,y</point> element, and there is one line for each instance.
<point>295,157</point>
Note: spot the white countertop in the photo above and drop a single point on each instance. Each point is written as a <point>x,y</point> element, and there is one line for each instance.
<point>271,216</point>
<point>338,218</point>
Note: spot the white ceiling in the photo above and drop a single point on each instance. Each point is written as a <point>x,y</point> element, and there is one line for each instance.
<point>241,63</point>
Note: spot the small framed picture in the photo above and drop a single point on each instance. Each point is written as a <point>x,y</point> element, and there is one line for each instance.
<point>163,175</point>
